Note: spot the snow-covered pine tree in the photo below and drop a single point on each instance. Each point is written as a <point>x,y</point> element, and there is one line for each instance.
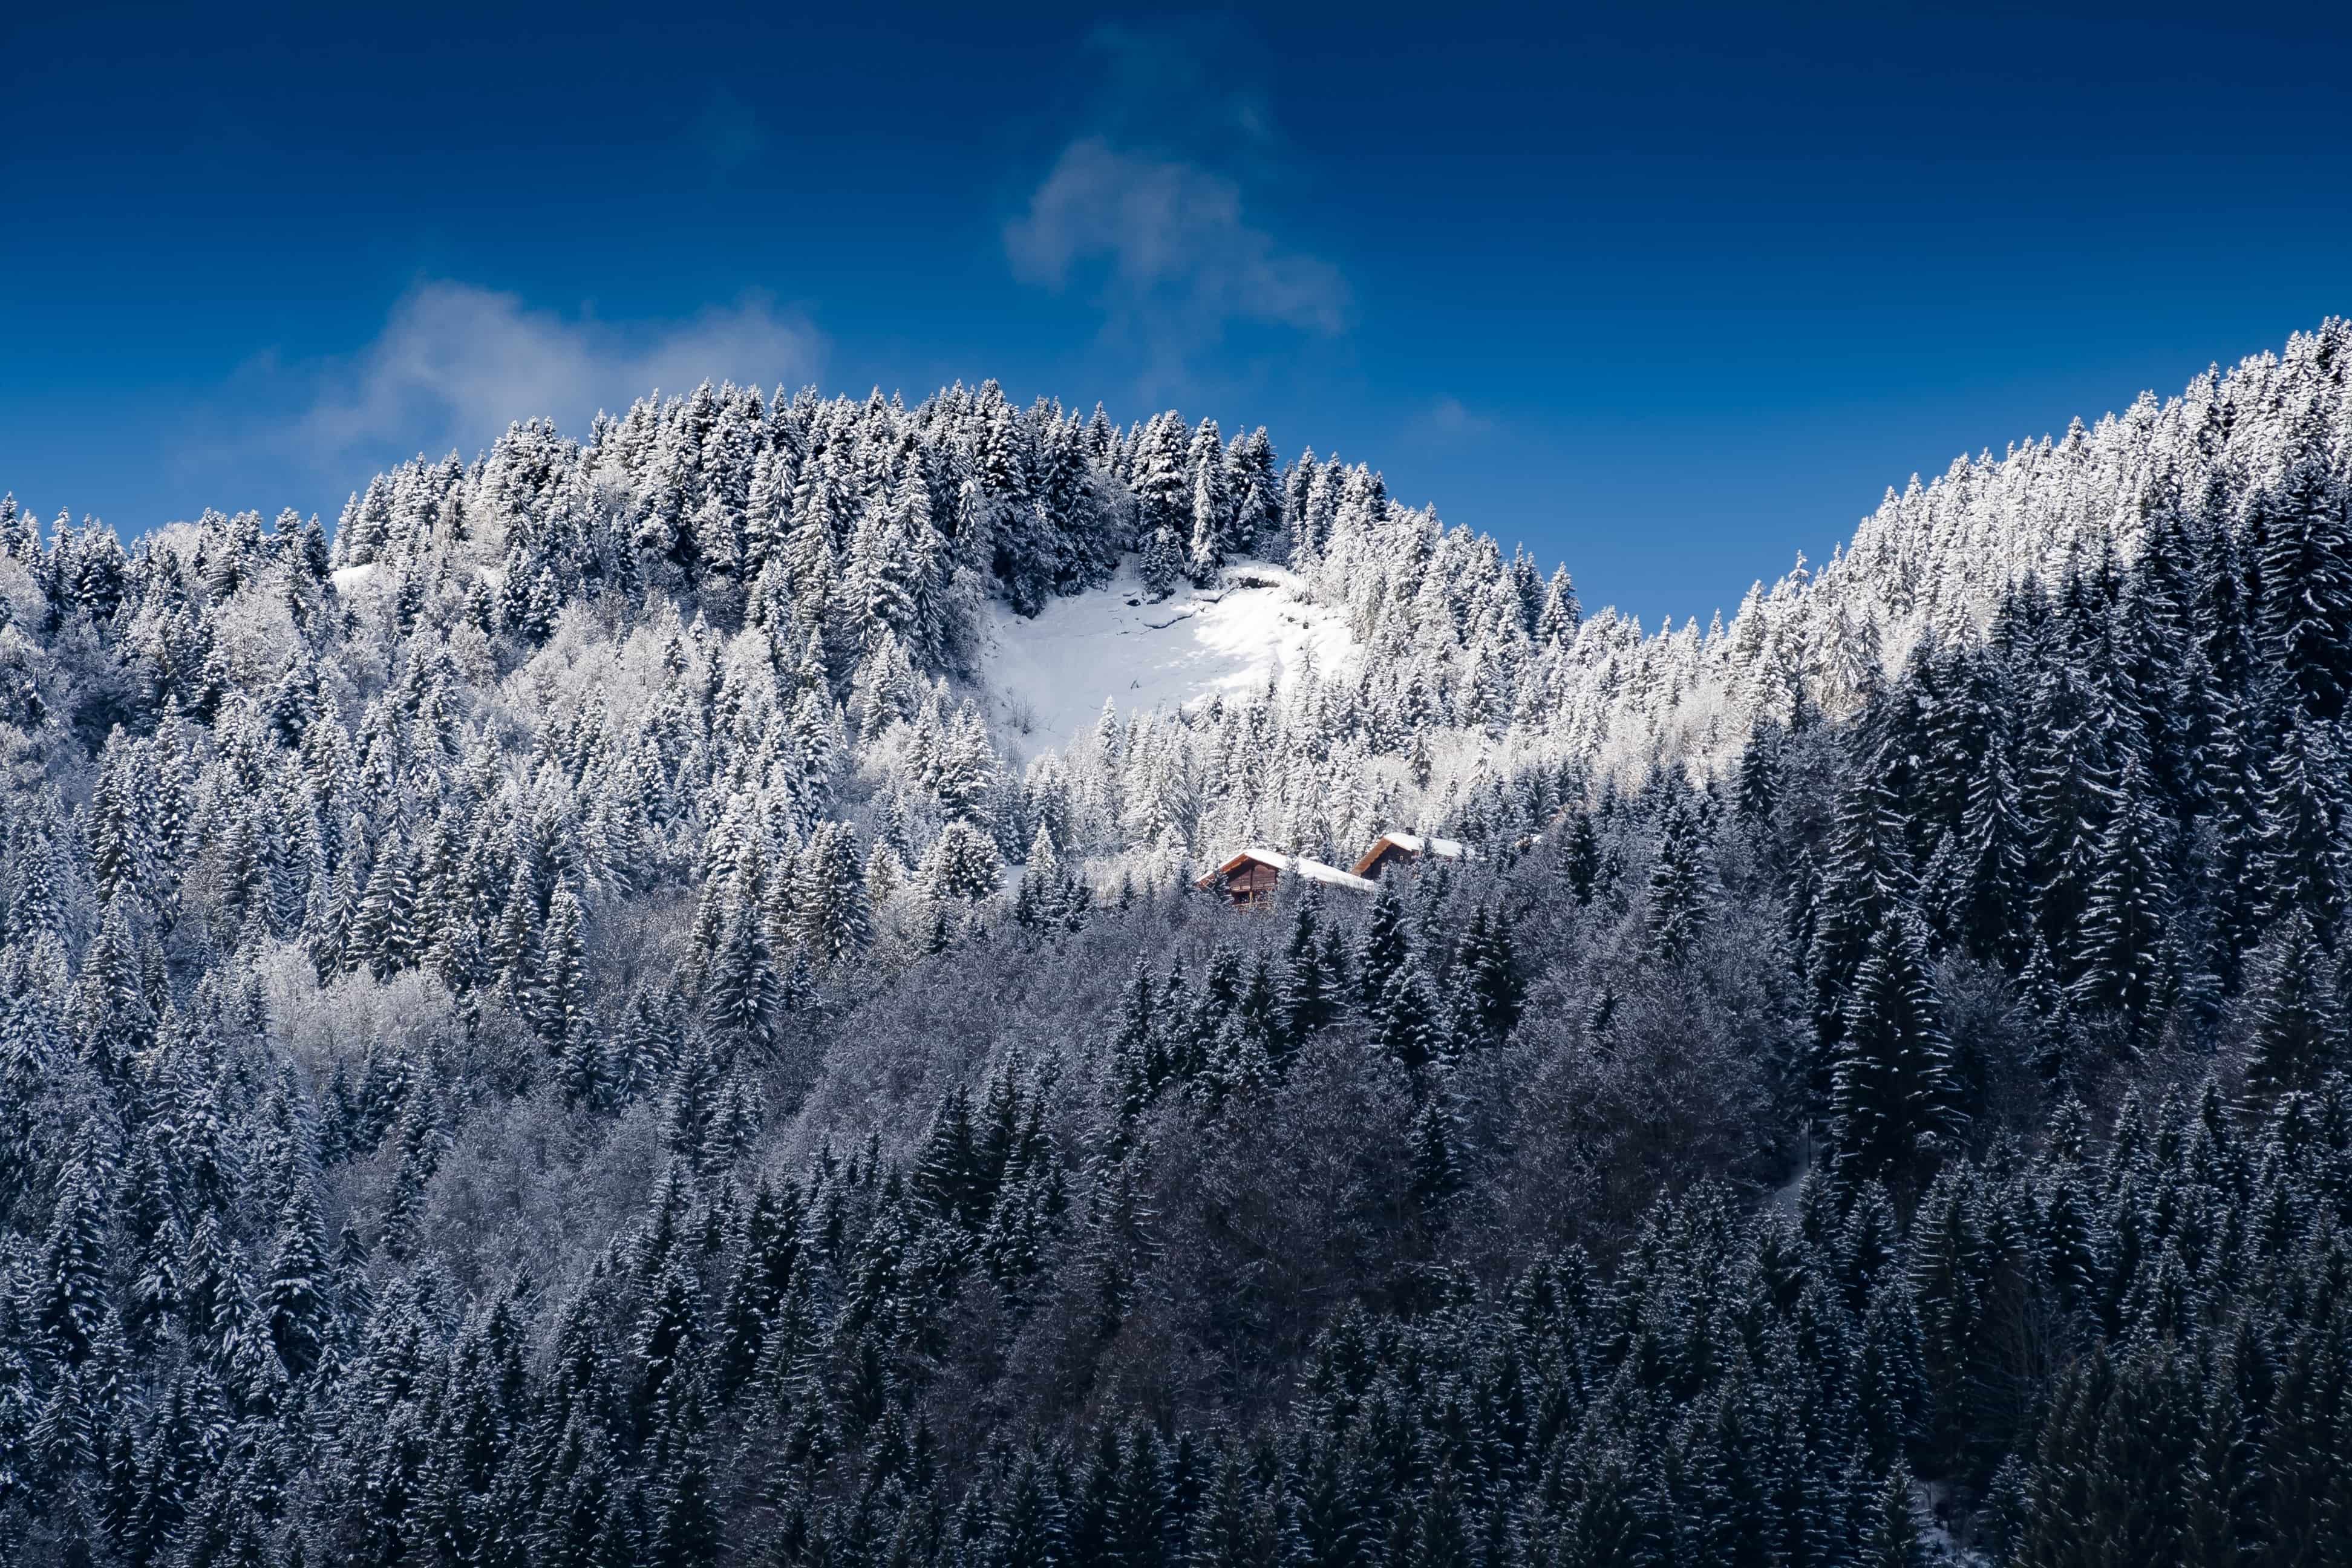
<point>2121,948</point>
<point>1893,1107</point>
<point>2294,1019</point>
<point>1865,885</point>
<point>2304,532</point>
<point>1679,896</point>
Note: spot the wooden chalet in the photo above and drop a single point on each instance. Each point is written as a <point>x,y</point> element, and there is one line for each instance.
<point>1394,849</point>
<point>1249,879</point>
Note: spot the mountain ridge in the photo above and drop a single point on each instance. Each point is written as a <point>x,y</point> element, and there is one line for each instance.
<point>1061,500</point>
<point>550,1032</point>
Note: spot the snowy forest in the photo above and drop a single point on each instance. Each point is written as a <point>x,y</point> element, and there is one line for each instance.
<point>550,1025</point>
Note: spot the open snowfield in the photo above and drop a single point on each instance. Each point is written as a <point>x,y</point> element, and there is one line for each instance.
<point>1048,678</point>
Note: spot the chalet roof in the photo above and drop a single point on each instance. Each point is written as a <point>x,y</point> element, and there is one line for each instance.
<point>1290,864</point>
<point>1413,844</point>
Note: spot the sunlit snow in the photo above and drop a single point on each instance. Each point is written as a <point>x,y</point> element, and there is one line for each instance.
<point>1048,678</point>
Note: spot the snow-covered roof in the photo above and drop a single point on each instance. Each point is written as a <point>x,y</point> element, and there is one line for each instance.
<point>1413,844</point>
<point>1452,848</point>
<point>1293,865</point>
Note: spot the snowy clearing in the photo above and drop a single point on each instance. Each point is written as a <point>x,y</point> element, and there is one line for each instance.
<point>1047,678</point>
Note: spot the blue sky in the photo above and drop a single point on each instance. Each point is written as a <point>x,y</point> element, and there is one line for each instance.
<point>1667,292</point>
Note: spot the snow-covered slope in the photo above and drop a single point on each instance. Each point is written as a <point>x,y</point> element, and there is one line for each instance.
<point>1047,679</point>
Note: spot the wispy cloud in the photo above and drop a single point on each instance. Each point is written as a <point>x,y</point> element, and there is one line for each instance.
<point>1173,237</point>
<point>1148,206</point>
<point>456,363</point>
<point>1449,422</point>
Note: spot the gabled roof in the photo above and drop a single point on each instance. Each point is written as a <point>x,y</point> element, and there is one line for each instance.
<point>1289,865</point>
<point>1413,844</point>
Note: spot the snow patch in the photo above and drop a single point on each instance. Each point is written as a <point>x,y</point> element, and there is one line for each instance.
<point>1047,679</point>
<point>347,578</point>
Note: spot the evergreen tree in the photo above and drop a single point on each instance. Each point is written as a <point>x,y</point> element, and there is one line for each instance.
<point>1894,1539</point>
<point>1758,789</point>
<point>1486,964</point>
<point>1309,991</point>
<point>299,1293</point>
<point>1867,881</point>
<point>1678,896</point>
<point>689,1528</point>
<point>962,866</point>
<point>743,998</point>
<point>117,841</point>
<point>1213,506</point>
<point>1892,1101</point>
<point>1161,562</point>
<point>2306,606</point>
<point>2292,1014</point>
<point>1407,1023</point>
<point>669,1333</point>
<point>2121,943</point>
<point>2068,785</point>
<point>1385,946</point>
<point>383,935</point>
<point>561,997</point>
<point>2301,861</point>
<point>1436,1166</point>
<point>1581,855</point>
<point>833,916</point>
<point>1993,895</point>
<point>689,1100</point>
<point>71,1302</point>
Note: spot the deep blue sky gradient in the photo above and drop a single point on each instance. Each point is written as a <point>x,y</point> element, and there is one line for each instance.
<point>1670,293</point>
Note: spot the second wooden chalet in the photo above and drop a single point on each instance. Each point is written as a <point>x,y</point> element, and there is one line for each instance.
<point>1249,879</point>
<point>1394,849</point>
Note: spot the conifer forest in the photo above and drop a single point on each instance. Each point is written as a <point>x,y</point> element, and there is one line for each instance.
<point>553,1021</point>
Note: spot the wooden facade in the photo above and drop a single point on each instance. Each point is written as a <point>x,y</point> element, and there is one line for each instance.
<point>1392,850</point>
<point>1387,854</point>
<point>1251,882</point>
<point>1248,880</point>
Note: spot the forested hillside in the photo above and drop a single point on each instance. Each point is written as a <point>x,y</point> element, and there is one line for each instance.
<point>545,1028</point>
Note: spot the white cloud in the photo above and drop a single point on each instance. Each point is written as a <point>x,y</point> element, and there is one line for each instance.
<point>1179,259</point>
<point>1449,421</point>
<point>456,363</point>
